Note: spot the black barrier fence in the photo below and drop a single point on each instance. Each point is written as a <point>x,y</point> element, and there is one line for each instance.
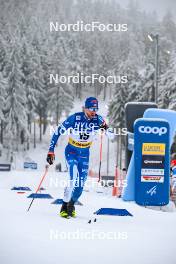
<point>5,167</point>
<point>134,110</point>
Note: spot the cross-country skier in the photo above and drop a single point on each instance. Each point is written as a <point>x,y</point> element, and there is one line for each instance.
<point>82,128</point>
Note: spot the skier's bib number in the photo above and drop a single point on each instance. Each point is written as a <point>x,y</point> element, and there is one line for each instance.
<point>84,136</point>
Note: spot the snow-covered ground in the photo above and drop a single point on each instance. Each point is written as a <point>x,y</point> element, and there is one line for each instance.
<point>41,236</point>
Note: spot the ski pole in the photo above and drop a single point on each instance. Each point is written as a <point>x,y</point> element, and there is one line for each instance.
<point>101,146</point>
<point>38,188</point>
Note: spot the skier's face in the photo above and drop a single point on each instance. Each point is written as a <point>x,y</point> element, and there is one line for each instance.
<point>90,112</point>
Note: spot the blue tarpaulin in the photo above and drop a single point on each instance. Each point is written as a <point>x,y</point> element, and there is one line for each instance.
<point>57,201</point>
<point>30,165</point>
<point>113,211</point>
<point>21,188</point>
<point>40,196</point>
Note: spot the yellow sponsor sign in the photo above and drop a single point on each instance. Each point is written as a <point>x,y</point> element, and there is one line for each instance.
<point>153,149</point>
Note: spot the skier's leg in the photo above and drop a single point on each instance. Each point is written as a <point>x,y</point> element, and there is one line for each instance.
<point>83,165</point>
<point>73,172</point>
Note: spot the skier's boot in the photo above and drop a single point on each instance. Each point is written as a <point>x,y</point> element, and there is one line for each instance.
<point>63,211</point>
<point>71,209</point>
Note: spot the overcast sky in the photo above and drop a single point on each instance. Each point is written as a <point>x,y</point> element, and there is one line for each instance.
<point>160,6</point>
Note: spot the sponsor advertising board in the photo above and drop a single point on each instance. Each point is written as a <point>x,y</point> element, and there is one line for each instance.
<point>151,150</point>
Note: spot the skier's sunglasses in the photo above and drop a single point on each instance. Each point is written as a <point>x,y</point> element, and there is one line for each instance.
<point>93,109</point>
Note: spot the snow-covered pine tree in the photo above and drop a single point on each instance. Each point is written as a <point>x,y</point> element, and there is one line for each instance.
<point>29,68</point>
<point>60,99</point>
<point>38,81</point>
<point>147,91</point>
<point>168,85</point>
<point>16,112</point>
<point>60,95</point>
<point>116,106</point>
<point>116,116</point>
<point>3,89</point>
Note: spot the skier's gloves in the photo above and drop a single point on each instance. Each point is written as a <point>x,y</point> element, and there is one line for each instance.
<point>104,126</point>
<point>50,158</point>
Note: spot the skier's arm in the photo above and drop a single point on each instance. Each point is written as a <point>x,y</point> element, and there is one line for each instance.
<point>59,131</point>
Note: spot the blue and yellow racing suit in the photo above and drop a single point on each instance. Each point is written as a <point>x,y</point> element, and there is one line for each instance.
<point>82,131</point>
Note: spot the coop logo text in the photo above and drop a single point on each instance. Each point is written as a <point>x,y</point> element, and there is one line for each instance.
<point>153,130</point>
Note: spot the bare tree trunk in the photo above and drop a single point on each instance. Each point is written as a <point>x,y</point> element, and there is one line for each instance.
<point>22,137</point>
<point>2,130</point>
<point>17,137</point>
<point>117,155</point>
<point>108,148</point>
<point>120,143</point>
<point>105,91</point>
<point>45,123</point>
<point>95,89</point>
<point>79,87</point>
<point>28,143</point>
<point>29,123</point>
<point>30,128</point>
<point>153,93</point>
<point>57,107</point>
<point>40,126</point>
<point>110,91</point>
<point>80,91</point>
<point>122,151</point>
<point>34,134</point>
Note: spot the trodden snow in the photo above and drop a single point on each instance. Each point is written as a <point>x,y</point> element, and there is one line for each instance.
<point>42,236</point>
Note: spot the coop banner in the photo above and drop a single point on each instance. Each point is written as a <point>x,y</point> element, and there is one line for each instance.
<point>151,154</point>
